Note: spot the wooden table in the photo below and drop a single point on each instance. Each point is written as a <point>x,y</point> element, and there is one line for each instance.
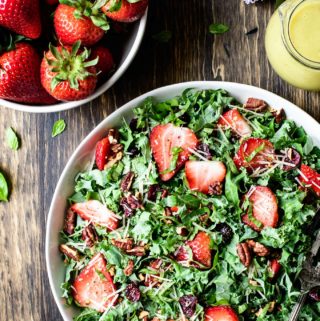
<point>192,54</point>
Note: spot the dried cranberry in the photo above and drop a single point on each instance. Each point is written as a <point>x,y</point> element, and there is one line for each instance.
<point>314,294</point>
<point>133,151</point>
<point>204,150</point>
<point>226,232</point>
<point>133,124</point>
<point>188,305</point>
<point>292,157</point>
<point>152,192</point>
<point>133,293</point>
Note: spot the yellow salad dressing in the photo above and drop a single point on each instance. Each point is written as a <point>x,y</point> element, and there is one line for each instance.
<point>293,43</point>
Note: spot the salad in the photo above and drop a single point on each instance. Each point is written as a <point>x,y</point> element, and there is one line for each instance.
<point>196,209</point>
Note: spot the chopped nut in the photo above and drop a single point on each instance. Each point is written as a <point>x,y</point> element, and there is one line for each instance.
<point>182,230</point>
<point>253,282</point>
<point>215,189</point>
<point>164,193</point>
<point>113,136</point>
<point>272,306</point>
<point>167,211</point>
<point>204,217</point>
<point>137,251</point>
<point>70,222</point>
<point>141,277</point>
<point>69,251</point>
<point>113,159</point>
<point>89,235</point>
<point>278,114</point>
<point>127,181</point>
<point>143,314</point>
<point>244,254</point>
<point>255,104</point>
<point>129,269</point>
<point>258,248</point>
<point>123,244</point>
<point>130,203</point>
<point>116,148</point>
<point>112,271</point>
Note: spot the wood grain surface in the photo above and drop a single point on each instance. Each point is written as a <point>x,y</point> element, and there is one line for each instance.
<point>191,54</point>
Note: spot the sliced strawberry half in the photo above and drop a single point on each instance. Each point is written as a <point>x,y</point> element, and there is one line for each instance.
<point>274,267</point>
<point>310,178</point>
<point>220,313</point>
<point>201,252</point>
<point>97,213</point>
<point>93,287</point>
<point>254,153</point>
<point>165,141</point>
<point>264,208</point>
<point>233,119</point>
<point>201,175</point>
<point>102,151</point>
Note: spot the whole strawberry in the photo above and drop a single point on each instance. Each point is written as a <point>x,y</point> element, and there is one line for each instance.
<point>21,17</point>
<point>105,63</point>
<point>79,21</point>
<point>20,76</point>
<point>67,74</point>
<point>124,10</point>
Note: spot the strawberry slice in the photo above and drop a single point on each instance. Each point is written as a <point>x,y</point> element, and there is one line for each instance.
<point>201,252</point>
<point>102,151</point>
<point>233,119</point>
<point>97,213</point>
<point>254,153</point>
<point>274,267</point>
<point>264,208</point>
<point>310,178</point>
<point>202,175</point>
<point>220,313</point>
<point>166,141</point>
<point>93,287</point>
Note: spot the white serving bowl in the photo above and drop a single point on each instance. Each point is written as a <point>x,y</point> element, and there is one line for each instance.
<point>84,155</point>
<point>130,49</point>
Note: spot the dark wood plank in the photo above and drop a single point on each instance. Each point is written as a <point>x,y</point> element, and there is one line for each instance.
<point>192,54</point>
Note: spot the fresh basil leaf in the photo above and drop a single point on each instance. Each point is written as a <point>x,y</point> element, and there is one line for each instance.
<point>218,28</point>
<point>163,36</point>
<point>3,188</point>
<point>58,127</point>
<point>12,139</point>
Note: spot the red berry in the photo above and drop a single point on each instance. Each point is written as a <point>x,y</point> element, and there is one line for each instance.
<point>220,313</point>
<point>102,152</point>
<point>310,178</point>
<point>105,63</point>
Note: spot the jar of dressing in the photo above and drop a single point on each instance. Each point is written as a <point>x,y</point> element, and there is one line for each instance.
<point>292,43</point>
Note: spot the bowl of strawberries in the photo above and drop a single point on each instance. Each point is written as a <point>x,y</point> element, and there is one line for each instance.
<point>57,55</point>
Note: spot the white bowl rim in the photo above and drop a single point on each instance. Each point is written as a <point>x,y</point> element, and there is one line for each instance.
<point>40,109</point>
<point>179,87</point>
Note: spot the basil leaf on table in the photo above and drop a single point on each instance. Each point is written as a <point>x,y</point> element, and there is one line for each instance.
<point>218,28</point>
<point>58,127</point>
<point>12,139</point>
<point>3,188</point>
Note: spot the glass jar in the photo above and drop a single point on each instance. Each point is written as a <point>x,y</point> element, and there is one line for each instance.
<point>292,43</point>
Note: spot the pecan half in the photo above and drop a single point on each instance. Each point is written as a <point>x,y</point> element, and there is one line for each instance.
<point>293,158</point>
<point>255,104</point>
<point>258,248</point>
<point>112,159</point>
<point>143,315</point>
<point>123,244</point>
<point>69,251</point>
<point>182,230</point>
<point>244,254</point>
<point>215,189</point>
<point>70,222</point>
<point>278,114</point>
<point>130,203</point>
<point>89,235</point>
<point>127,181</point>
<point>129,269</point>
<point>116,148</point>
<point>137,251</point>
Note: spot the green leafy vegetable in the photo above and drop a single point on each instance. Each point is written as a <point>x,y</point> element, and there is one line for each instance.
<point>12,139</point>
<point>58,127</point>
<point>3,188</point>
<point>218,28</point>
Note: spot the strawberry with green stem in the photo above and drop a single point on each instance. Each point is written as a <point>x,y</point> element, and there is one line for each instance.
<point>20,73</point>
<point>67,74</point>
<point>82,20</point>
